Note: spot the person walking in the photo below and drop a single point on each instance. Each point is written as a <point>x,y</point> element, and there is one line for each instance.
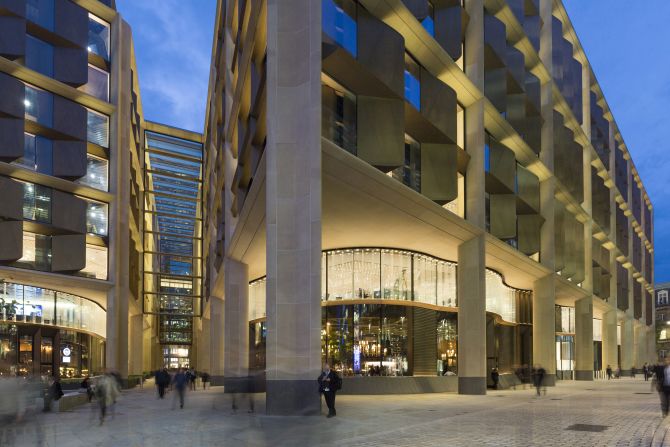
<point>632,372</point>
<point>86,385</point>
<point>329,384</point>
<point>645,372</point>
<point>180,382</point>
<point>162,381</point>
<point>538,379</point>
<point>663,386</point>
<point>205,379</point>
<point>609,372</point>
<point>191,377</point>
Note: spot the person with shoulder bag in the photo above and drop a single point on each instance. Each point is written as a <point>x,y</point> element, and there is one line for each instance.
<point>329,383</point>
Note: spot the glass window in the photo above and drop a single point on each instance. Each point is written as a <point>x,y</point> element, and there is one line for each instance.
<point>410,173</point>
<point>96,262</point>
<point>41,12</point>
<point>395,341</point>
<point>39,56</point>
<point>500,299</point>
<point>25,355</point>
<point>340,275</point>
<point>98,83</point>
<point>338,115</point>
<point>8,348</point>
<point>36,251</point>
<point>339,23</point>
<point>367,270</point>
<point>98,129</point>
<point>367,349</point>
<point>425,279</point>
<point>38,305</point>
<point>257,299</point>
<point>597,330</point>
<point>447,343</point>
<point>37,154</point>
<point>36,203</point>
<point>446,284</point>
<point>339,333</point>
<point>662,297</point>
<point>96,173</point>
<point>396,275</point>
<point>428,22</point>
<point>96,218</point>
<point>68,310</point>
<point>39,106</point>
<point>565,319</point>
<point>412,81</point>
<point>98,37</point>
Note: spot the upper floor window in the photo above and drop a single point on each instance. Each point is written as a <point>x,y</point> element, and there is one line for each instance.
<point>39,105</point>
<point>37,154</point>
<point>98,83</point>
<point>339,23</point>
<point>410,172</point>
<point>412,81</point>
<point>97,173</point>
<point>662,297</point>
<point>36,203</point>
<point>338,120</point>
<point>36,251</point>
<point>98,129</point>
<point>41,12</point>
<point>98,37</point>
<point>39,56</point>
<point>96,218</point>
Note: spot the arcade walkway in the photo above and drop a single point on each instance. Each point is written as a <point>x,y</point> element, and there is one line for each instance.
<point>621,412</point>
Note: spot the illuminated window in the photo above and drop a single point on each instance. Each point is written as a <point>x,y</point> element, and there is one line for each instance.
<point>97,173</point>
<point>96,262</point>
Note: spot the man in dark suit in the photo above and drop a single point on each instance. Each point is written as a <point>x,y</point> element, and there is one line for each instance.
<point>329,384</point>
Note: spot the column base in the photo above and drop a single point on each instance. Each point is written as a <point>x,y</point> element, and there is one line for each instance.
<point>216,380</point>
<point>584,375</point>
<point>472,385</point>
<point>292,398</point>
<point>549,380</point>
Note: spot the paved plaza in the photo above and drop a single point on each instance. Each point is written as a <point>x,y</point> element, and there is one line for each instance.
<point>621,412</point>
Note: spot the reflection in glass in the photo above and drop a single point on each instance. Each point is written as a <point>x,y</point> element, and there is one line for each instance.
<point>37,154</point>
<point>410,172</point>
<point>98,129</point>
<point>36,203</point>
<point>96,262</point>
<point>36,252</point>
<point>41,12</point>
<point>97,170</point>
<point>338,342</point>
<point>39,105</point>
<point>98,83</point>
<point>367,349</point>
<point>447,343</point>
<point>412,81</point>
<point>96,218</point>
<point>396,275</point>
<point>339,23</point>
<point>395,340</point>
<point>98,37</point>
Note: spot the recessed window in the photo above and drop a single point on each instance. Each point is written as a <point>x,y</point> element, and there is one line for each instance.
<point>36,203</point>
<point>98,83</point>
<point>98,129</point>
<point>96,173</point>
<point>98,37</point>
<point>36,251</point>
<point>96,218</point>
<point>39,105</point>
<point>37,154</point>
<point>662,297</point>
<point>96,262</point>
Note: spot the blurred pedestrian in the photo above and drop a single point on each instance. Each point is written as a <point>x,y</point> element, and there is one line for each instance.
<point>106,392</point>
<point>162,378</point>
<point>180,383</point>
<point>609,372</point>
<point>538,379</point>
<point>632,372</point>
<point>663,386</point>
<point>191,377</point>
<point>205,380</point>
<point>329,384</point>
<point>645,371</point>
<point>86,385</point>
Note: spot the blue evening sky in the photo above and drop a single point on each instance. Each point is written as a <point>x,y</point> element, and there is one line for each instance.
<point>626,46</point>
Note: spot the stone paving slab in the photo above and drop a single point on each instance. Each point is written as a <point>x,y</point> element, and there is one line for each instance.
<point>627,408</point>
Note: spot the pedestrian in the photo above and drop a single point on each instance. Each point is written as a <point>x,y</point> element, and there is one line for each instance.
<point>106,392</point>
<point>538,379</point>
<point>609,372</point>
<point>192,377</point>
<point>495,377</point>
<point>645,372</point>
<point>663,385</point>
<point>180,383</point>
<point>162,381</point>
<point>53,393</point>
<point>205,379</point>
<point>329,384</point>
<point>632,372</point>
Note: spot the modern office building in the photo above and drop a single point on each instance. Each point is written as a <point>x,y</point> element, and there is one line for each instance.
<point>662,307</point>
<point>92,267</point>
<point>415,188</point>
<point>413,191</point>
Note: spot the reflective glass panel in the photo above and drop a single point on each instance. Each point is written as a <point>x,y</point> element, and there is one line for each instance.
<point>98,37</point>
<point>39,106</point>
<point>396,275</point>
<point>96,218</point>
<point>339,23</point>
<point>39,56</point>
<point>98,129</point>
<point>96,262</point>
<point>96,173</point>
<point>41,12</point>
<point>98,83</point>
<point>37,154</point>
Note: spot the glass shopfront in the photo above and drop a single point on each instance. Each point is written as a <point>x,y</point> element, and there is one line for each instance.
<point>46,332</point>
<point>388,312</point>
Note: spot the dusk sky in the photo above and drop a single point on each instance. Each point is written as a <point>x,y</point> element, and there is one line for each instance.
<point>626,46</point>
